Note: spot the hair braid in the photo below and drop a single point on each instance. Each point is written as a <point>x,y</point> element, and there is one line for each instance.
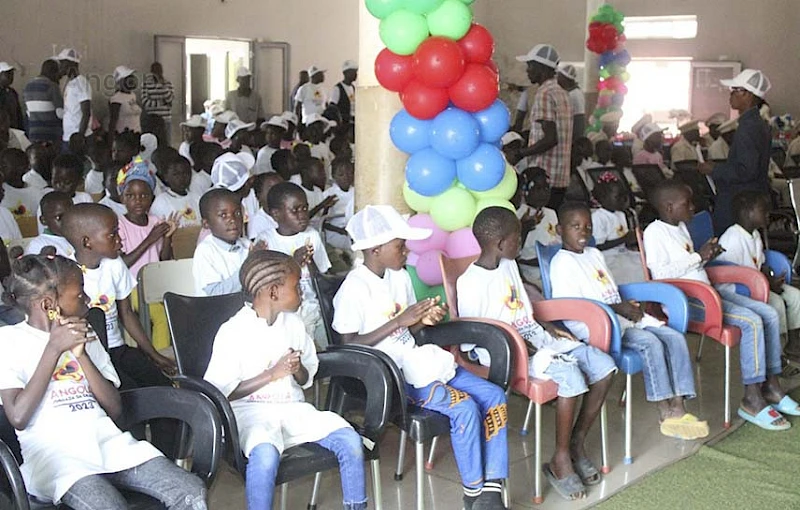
<point>263,268</point>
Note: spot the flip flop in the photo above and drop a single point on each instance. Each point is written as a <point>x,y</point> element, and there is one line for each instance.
<point>568,487</point>
<point>765,418</point>
<point>787,405</point>
<point>687,427</point>
<point>586,470</point>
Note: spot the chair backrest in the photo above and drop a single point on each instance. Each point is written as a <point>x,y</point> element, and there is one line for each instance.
<point>97,319</point>
<point>596,173</point>
<point>648,176</point>
<point>452,269</point>
<point>28,225</point>
<point>577,190</point>
<point>12,486</point>
<point>545,254</point>
<point>701,229</point>
<point>687,172</point>
<point>184,242</point>
<point>642,254</point>
<point>326,287</point>
<point>193,324</point>
<point>158,278</point>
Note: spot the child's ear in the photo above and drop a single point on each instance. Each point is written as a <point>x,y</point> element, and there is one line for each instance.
<point>559,230</point>
<point>86,243</point>
<point>274,292</point>
<point>205,224</point>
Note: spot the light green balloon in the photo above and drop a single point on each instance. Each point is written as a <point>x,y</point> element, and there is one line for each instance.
<point>416,201</point>
<point>382,8</point>
<point>494,202</point>
<point>422,6</point>
<point>453,209</point>
<point>503,191</point>
<point>452,19</point>
<point>468,2</point>
<point>403,31</point>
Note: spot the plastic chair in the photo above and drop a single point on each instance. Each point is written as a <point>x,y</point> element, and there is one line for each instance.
<point>22,243</point>
<point>156,279</point>
<point>537,391</point>
<point>687,172</point>
<point>648,176</point>
<point>184,242</point>
<point>12,487</point>
<point>28,225</point>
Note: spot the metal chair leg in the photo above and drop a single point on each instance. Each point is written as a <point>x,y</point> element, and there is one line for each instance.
<point>537,463</point>
<point>401,456</point>
<point>622,398</point>
<point>700,348</point>
<point>727,421</point>
<point>284,495</point>
<point>507,492</point>
<point>314,492</point>
<point>377,490</point>
<point>429,463</point>
<point>420,461</point>
<point>628,422</point>
<point>524,431</point>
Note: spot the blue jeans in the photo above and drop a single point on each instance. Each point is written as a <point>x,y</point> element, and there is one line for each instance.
<point>666,365</point>
<point>345,443</point>
<point>478,424</point>
<point>760,346</point>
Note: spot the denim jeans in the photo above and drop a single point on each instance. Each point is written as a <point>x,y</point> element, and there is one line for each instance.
<point>666,365</point>
<point>345,443</point>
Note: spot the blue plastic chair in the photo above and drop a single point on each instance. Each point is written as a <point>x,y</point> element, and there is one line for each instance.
<point>627,360</point>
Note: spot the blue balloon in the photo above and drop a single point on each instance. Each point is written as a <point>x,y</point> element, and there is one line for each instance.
<point>622,58</point>
<point>483,169</point>
<point>429,173</point>
<point>494,122</point>
<point>606,58</point>
<point>455,134</point>
<point>408,133</point>
<point>617,100</point>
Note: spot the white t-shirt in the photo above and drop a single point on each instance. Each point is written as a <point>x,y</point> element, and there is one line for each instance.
<point>264,160</point>
<point>69,435</point>
<point>312,98</point>
<point>33,179</point>
<point>76,91</point>
<point>545,233</point>
<point>246,346</point>
<point>61,245</point>
<point>216,265</point>
<point>577,101</point>
<point>187,206</point>
<point>21,201</point>
<point>365,302</point>
<point>250,206</point>
<point>8,226</point>
<point>670,253</point>
<point>350,90</point>
<point>741,248</point>
<point>609,226</point>
<point>184,150</point>
<point>201,182</point>
<point>260,224</point>
<point>315,197</point>
<point>81,197</point>
<point>322,152</point>
<point>93,182</point>
<point>130,112</point>
<point>339,215</point>
<point>105,285</point>
<point>119,209</point>
<point>18,140</point>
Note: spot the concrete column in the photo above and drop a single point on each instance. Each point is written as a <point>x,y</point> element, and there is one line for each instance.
<point>591,74</point>
<point>380,167</point>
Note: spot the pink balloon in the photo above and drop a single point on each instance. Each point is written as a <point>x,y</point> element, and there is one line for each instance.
<point>412,259</point>
<point>604,101</point>
<point>462,243</point>
<point>436,241</point>
<point>428,268</point>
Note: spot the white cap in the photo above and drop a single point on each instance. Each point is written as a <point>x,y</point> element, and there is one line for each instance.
<point>543,54</point>
<point>225,116</point>
<point>717,118</point>
<point>195,121</point>
<point>596,136</point>
<point>728,126</point>
<point>277,121</point>
<point>689,125</point>
<point>511,136</point>
<point>315,117</point>
<point>149,142</point>
<point>376,225</point>
<point>649,130</point>
<point>569,71</point>
<point>122,72</point>
<point>752,80</point>
<point>215,108</point>
<point>5,66</point>
<point>242,72</point>
<point>349,64</point>
<point>69,54</point>
<point>290,117</point>
<point>231,171</point>
<point>314,70</point>
<point>236,125</point>
<point>611,117</point>
<point>636,128</point>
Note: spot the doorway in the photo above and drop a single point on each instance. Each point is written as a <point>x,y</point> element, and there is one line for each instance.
<point>212,68</point>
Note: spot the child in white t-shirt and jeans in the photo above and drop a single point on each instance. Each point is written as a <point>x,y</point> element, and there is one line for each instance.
<point>376,307</point>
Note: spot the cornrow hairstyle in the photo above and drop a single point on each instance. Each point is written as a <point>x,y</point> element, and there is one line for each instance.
<point>279,193</point>
<point>33,276</point>
<point>213,195</point>
<point>493,224</point>
<point>261,269</point>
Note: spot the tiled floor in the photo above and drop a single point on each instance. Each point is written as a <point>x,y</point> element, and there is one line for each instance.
<point>651,451</point>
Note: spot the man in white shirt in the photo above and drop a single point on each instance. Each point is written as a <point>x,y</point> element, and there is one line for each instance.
<point>77,97</point>
<point>343,94</point>
<point>245,101</point>
<point>310,98</point>
<point>721,146</point>
<point>568,79</point>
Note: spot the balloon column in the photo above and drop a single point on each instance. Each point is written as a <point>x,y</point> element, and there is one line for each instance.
<point>439,61</point>
<point>607,38</point>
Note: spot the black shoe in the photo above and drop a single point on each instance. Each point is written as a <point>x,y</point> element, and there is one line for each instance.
<point>469,502</point>
<point>489,500</point>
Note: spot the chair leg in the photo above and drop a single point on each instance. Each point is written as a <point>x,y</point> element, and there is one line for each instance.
<point>429,463</point>
<point>377,492</point>
<point>314,492</point>
<point>727,421</point>
<point>524,431</point>
<point>622,398</point>
<point>420,461</point>
<point>628,422</point>
<point>401,457</point>
<point>605,468</point>
<point>317,395</point>
<point>507,492</point>
<point>537,463</point>
<point>700,348</point>
<point>284,495</point>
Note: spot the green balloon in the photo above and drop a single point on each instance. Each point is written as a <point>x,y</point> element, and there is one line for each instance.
<point>452,19</point>
<point>504,191</point>
<point>453,209</point>
<point>494,202</point>
<point>468,2</point>
<point>382,8</point>
<point>403,31</point>
<point>422,6</point>
<point>416,201</point>
<point>422,291</point>
<point>604,73</point>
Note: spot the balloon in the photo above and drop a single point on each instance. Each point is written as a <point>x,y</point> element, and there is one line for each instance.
<point>416,201</point>
<point>494,122</point>
<point>483,169</point>
<point>436,241</point>
<point>494,202</point>
<point>428,269</point>
<point>504,191</point>
<point>382,8</point>
<point>439,62</point>
<point>408,133</point>
<point>604,73</point>
<point>617,99</point>
<point>412,259</point>
<point>429,173</point>
<point>455,133</point>
<point>422,291</point>
<point>424,102</point>
<point>461,244</point>
<point>403,31</point>
<point>453,209</point>
<point>623,58</point>
<point>476,90</point>
<point>422,6</point>
<point>392,70</point>
<point>478,44</point>
<point>452,19</point>
<point>604,101</point>
<point>625,76</point>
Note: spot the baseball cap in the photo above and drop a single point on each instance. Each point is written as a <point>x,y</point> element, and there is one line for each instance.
<point>5,66</point>
<point>636,128</point>
<point>752,80</point>
<point>195,121</point>
<point>650,129</point>
<point>569,71</point>
<point>349,64</point>
<point>242,72</point>
<point>315,117</point>
<point>122,72</point>
<point>225,116</point>
<point>231,171</point>
<point>689,125</point>
<point>716,119</point>
<point>277,121</point>
<point>376,225</point>
<point>596,136</point>
<point>544,54</point>
<point>728,126</point>
<point>611,117</point>
<point>290,117</point>
<point>314,70</point>
<point>236,125</point>
<point>69,54</point>
<point>511,136</point>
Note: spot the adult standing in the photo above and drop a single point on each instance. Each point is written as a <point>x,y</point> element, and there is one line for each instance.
<point>77,98</point>
<point>44,104</point>
<point>747,167</point>
<point>343,94</point>
<point>125,114</point>
<point>568,80</point>
<point>245,101</point>
<point>550,141</point>
<point>157,97</point>
<point>9,99</point>
<point>310,97</point>
<point>303,79</point>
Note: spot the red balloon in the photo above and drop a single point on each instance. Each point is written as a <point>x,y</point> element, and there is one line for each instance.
<point>424,102</point>
<point>491,65</point>
<point>476,90</point>
<point>393,71</point>
<point>438,62</point>
<point>478,44</point>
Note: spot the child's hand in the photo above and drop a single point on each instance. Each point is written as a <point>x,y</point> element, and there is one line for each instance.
<point>174,222</point>
<point>158,232</point>
<point>165,364</point>
<point>558,332</point>
<point>710,250</point>
<point>68,334</point>
<point>259,245</point>
<point>415,313</point>
<point>630,310</point>
<point>776,283</point>
<point>287,365</point>
<point>329,202</point>
<point>435,315</point>
<point>304,255</point>
<point>15,252</point>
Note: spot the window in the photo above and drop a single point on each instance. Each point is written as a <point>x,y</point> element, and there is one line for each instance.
<point>657,86</point>
<point>660,27</point>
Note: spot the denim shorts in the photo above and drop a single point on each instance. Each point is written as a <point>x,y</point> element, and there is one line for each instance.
<point>590,365</point>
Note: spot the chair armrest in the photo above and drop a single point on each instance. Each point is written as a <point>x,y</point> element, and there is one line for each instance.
<point>753,279</point>
<point>519,348</point>
<point>594,314</point>
<point>13,476</point>
<point>655,292</point>
<point>712,324</point>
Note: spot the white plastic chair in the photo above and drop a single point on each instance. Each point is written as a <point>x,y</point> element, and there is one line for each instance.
<point>157,278</point>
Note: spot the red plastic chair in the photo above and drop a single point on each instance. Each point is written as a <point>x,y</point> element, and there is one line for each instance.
<point>713,326</point>
<point>537,391</point>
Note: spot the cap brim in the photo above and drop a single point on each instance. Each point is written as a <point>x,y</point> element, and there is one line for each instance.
<point>523,58</point>
<point>730,83</point>
<point>407,234</point>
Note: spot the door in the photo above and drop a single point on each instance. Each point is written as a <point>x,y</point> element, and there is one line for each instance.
<point>271,75</point>
<point>199,69</point>
<point>170,50</point>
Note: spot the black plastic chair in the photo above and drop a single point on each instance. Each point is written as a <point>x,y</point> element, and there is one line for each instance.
<point>703,194</point>
<point>648,176</point>
<point>12,488</point>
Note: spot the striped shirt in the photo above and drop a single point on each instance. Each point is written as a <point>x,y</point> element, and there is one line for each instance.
<point>157,97</point>
<point>45,108</point>
<point>551,103</point>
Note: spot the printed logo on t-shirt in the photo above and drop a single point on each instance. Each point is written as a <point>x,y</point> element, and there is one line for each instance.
<point>402,335</point>
<point>69,370</point>
<point>512,300</point>
<point>188,214</point>
<point>551,230</point>
<point>602,277</point>
<point>19,209</point>
<point>621,230</point>
<point>103,302</point>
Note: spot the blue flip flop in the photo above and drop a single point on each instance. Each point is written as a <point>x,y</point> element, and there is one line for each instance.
<point>764,418</point>
<point>787,405</point>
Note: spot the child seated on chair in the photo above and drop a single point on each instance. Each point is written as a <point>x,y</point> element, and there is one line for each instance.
<point>376,307</point>
<point>539,223</point>
<point>52,242</point>
<point>743,246</point>
<point>41,160</point>
<point>294,237</point>
<point>670,254</point>
<point>611,231</point>
<point>576,367</point>
<point>19,198</point>
<point>177,200</point>
<point>262,361</point>
<point>336,239</point>
<point>580,271</point>
<point>58,388</point>
<point>67,176</point>
<point>262,222</point>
